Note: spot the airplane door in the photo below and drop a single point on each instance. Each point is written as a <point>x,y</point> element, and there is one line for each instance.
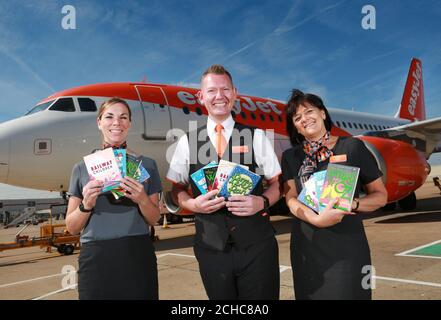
<point>156,112</point>
<point>157,123</point>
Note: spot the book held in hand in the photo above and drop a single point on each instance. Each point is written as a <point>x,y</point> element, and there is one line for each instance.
<point>223,173</point>
<point>340,182</point>
<point>103,166</point>
<point>210,174</point>
<point>240,182</point>
<point>199,177</point>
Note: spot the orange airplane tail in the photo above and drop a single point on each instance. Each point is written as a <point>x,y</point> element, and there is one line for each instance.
<point>412,105</point>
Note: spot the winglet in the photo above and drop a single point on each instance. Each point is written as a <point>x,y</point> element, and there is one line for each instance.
<point>412,105</point>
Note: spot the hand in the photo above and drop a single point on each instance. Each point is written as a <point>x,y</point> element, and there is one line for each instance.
<point>205,204</point>
<point>244,206</point>
<point>91,191</point>
<point>134,190</point>
<point>330,216</point>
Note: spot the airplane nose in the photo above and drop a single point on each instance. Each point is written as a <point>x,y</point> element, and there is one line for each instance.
<point>4,158</point>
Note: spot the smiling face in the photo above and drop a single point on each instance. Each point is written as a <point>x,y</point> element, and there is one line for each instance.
<point>309,121</point>
<point>114,124</point>
<point>218,95</point>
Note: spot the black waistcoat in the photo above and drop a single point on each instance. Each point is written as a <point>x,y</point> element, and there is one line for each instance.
<point>220,228</point>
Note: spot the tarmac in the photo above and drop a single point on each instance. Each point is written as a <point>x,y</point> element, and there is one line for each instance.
<point>394,237</point>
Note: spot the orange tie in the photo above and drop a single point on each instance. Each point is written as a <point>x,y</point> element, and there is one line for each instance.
<point>221,143</point>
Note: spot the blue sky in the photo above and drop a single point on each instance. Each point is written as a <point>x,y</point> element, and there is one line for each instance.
<point>270,47</point>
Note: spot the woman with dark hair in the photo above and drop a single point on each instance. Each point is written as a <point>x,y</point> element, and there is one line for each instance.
<point>329,251</point>
<point>117,259</point>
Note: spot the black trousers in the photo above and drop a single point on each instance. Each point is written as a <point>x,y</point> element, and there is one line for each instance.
<point>251,273</point>
<point>120,269</point>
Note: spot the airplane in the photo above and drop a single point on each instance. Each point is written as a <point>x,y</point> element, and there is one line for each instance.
<point>39,149</point>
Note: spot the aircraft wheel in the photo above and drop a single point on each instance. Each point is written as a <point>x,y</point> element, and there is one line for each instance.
<point>61,248</point>
<point>408,203</point>
<point>69,249</point>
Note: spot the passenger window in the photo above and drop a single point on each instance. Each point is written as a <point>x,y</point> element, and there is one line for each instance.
<point>375,126</point>
<point>262,116</point>
<point>243,115</point>
<point>350,125</point>
<point>253,116</point>
<point>355,126</point>
<point>370,127</point>
<point>63,104</point>
<point>198,111</point>
<point>271,118</point>
<point>338,124</point>
<point>280,118</point>
<point>344,124</point>
<point>366,127</point>
<point>87,105</point>
<point>186,111</point>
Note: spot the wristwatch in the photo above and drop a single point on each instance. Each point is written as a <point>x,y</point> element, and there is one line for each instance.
<point>266,203</point>
<point>82,209</point>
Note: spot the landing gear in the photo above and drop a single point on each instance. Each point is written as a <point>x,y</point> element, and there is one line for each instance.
<point>408,203</point>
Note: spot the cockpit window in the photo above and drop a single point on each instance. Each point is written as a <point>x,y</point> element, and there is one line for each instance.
<point>87,104</point>
<point>39,107</point>
<point>63,104</point>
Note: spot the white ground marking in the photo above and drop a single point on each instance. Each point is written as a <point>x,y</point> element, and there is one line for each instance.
<point>405,253</point>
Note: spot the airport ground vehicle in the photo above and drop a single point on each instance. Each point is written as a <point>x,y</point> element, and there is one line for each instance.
<point>51,236</point>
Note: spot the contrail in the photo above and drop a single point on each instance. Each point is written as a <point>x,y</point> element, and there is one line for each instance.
<point>277,31</point>
<point>26,68</point>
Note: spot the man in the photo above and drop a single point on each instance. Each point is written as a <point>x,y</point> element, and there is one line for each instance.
<point>234,243</point>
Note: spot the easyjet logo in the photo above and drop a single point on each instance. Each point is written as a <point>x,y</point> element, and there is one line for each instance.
<point>416,76</point>
<point>245,102</point>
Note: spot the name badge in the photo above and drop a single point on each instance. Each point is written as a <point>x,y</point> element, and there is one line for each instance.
<point>240,149</point>
<point>338,158</point>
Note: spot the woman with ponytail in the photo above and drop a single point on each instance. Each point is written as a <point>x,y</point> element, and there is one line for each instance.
<point>117,259</point>
<point>329,251</point>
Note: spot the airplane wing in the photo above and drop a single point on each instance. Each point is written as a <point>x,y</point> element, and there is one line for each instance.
<point>424,135</point>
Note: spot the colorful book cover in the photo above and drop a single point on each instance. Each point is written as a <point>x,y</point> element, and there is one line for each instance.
<point>340,182</point>
<point>134,169</point>
<point>102,165</point>
<point>240,182</point>
<point>120,155</point>
<point>223,173</point>
<point>199,177</point>
<point>319,178</point>
<point>308,195</point>
<point>210,174</point>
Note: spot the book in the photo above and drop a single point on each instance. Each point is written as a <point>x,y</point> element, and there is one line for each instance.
<point>120,155</point>
<point>199,177</point>
<point>240,182</point>
<point>340,182</point>
<point>223,173</point>
<point>102,165</point>
<point>132,168</point>
<point>308,196</point>
<point>319,179</point>
<point>209,174</point>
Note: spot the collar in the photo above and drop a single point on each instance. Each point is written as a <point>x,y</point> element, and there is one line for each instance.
<point>228,125</point>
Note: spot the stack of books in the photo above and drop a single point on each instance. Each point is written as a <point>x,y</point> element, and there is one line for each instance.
<point>227,177</point>
<point>111,165</point>
<point>338,181</point>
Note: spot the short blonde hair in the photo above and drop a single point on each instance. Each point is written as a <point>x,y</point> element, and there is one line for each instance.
<point>217,69</point>
<point>106,104</point>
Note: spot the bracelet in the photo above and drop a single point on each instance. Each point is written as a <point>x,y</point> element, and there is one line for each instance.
<point>358,204</point>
